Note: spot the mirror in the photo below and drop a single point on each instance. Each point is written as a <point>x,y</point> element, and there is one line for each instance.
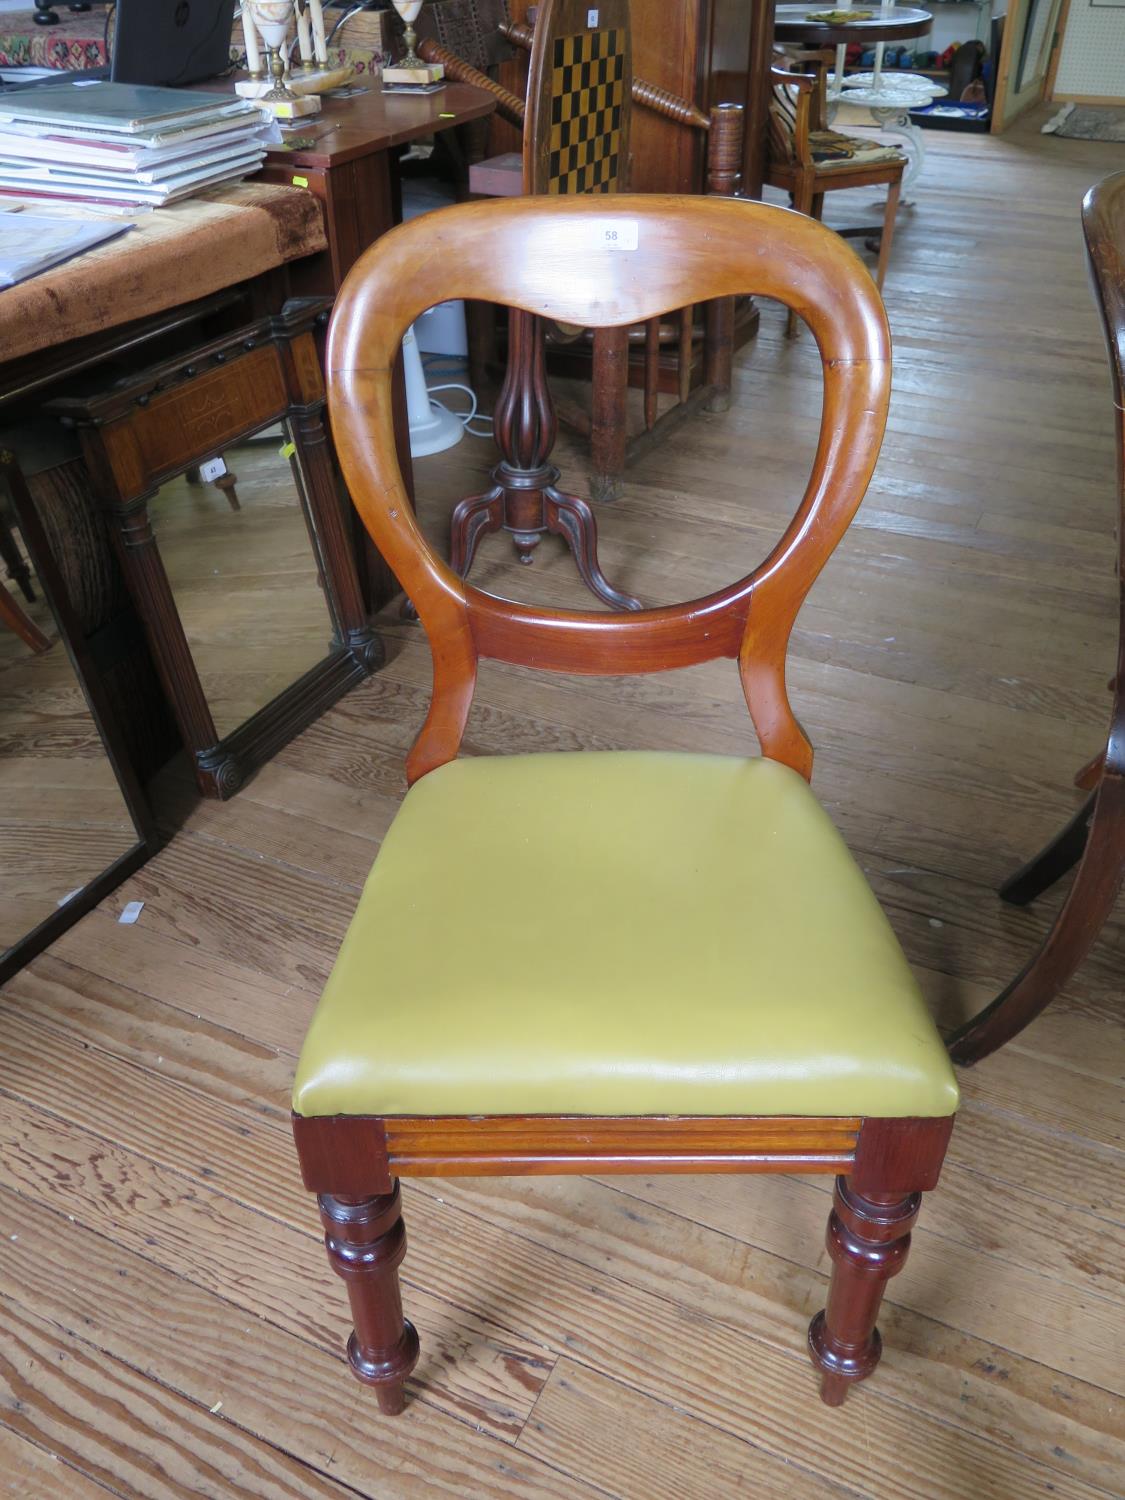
<point>1039,18</point>
<point>65,822</point>
<point>245,568</point>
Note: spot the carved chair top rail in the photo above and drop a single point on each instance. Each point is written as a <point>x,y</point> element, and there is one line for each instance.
<point>552,257</point>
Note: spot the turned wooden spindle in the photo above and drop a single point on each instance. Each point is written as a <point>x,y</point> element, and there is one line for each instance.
<point>663,102</point>
<point>724,149</point>
<point>868,1239</point>
<point>660,100</point>
<point>366,1242</point>
<point>507,104</point>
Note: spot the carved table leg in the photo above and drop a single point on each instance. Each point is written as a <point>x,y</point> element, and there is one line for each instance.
<point>366,1242</point>
<point>473,518</point>
<point>226,483</point>
<point>216,769</point>
<point>868,1240</point>
<point>572,518</point>
<point>523,500</point>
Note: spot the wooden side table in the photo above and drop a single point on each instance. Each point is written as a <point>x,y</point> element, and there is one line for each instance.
<point>347,160</point>
<point>171,417</point>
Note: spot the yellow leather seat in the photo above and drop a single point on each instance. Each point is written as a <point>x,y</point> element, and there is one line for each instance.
<point>620,934</point>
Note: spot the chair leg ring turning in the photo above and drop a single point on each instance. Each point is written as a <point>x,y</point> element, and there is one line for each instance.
<point>868,1240</point>
<point>366,1242</point>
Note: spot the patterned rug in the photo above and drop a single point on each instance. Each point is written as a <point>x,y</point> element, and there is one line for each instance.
<point>78,41</point>
<point>1081,123</point>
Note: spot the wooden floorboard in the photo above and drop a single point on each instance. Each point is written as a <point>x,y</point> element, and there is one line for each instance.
<point>169,1323</point>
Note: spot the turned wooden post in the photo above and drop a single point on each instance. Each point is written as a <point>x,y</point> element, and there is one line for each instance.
<point>608,421</point>
<point>868,1240</point>
<point>724,172</point>
<point>366,1242</point>
<point>724,149</point>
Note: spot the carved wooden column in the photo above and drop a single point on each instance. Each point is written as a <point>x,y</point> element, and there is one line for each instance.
<point>216,771</point>
<point>524,500</point>
<point>868,1240</point>
<point>366,1242</point>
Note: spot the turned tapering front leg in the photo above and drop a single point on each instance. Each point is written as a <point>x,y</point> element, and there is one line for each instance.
<point>868,1240</point>
<point>366,1242</point>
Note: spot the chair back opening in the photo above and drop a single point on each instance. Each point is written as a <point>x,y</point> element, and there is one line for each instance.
<point>598,263</point>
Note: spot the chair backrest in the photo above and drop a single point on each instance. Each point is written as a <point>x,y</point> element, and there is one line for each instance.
<point>579,98</point>
<point>785,103</point>
<point>1103,223</point>
<point>578,261</point>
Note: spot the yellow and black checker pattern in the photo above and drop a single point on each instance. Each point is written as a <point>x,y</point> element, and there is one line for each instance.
<point>587,94</point>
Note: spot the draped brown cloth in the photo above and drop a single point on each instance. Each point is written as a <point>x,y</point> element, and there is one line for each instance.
<point>170,256</point>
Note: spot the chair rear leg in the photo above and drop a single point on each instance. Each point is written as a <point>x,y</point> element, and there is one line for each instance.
<point>888,231</point>
<point>868,1240</point>
<point>366,1242</point>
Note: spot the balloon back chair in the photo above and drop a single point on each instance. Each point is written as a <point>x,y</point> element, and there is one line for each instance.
<point>729,996</point>
<point>1094,839</point>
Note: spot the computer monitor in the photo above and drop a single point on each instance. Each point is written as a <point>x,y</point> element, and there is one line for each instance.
<point>169,42</point>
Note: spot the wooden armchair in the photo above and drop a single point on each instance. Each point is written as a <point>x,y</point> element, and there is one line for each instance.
<point>575,125</point>
<point>1094,839</point>
<point>807,159</point>
<point>730,997</point>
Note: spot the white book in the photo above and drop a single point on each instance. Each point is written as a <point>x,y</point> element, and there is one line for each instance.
<point>126,110</point>
<point>161,172</point>
<point>31,243</point>
<point>20,183</point>
<point>166,135</point>
<point>176,175</point>
<point>116,156</point>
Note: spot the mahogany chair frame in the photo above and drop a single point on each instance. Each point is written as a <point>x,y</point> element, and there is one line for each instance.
<point>790,165</point>
<point>1095,837</point>
<point>542,257</point>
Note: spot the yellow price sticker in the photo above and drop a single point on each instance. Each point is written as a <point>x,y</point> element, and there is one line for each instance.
<point>287,450</point>
<point>447,114</point>
<point>300,182</point>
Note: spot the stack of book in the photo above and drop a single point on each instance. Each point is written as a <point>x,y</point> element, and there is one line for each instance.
<point>118,143</point>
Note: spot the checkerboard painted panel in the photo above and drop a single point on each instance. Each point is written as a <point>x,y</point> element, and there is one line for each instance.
<point>587,96</point>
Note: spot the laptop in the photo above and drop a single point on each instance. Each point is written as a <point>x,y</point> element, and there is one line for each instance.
<point>160,42</point>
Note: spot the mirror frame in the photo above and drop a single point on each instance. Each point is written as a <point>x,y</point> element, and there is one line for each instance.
<point>49,577</point>
<point>156,424</point>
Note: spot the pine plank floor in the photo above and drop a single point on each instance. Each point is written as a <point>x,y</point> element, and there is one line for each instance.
<point>169,1324</point>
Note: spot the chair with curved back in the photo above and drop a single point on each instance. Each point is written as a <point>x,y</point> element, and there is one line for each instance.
<point>730,997</point>
<point>1094,839</point>
<point>807,160</point>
